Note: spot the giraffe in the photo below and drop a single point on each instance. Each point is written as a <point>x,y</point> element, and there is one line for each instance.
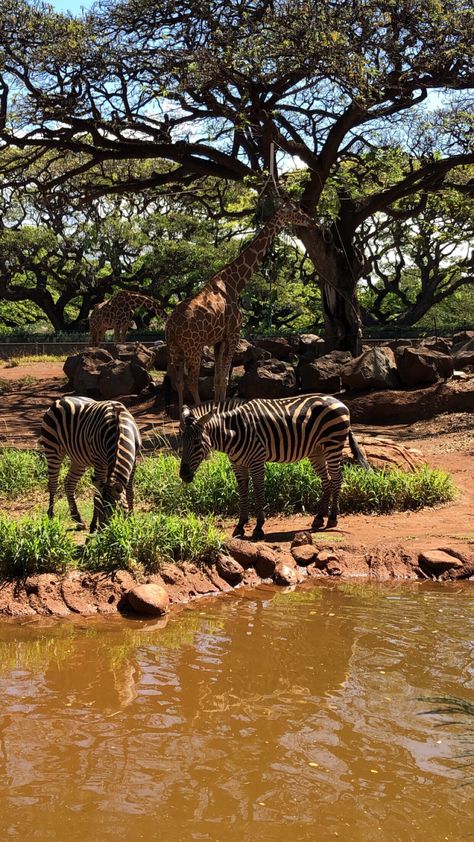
<point>213,316</point>
<point>116,313</point>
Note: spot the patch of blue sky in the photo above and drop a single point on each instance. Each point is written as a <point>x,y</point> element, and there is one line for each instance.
<point>76,7</point>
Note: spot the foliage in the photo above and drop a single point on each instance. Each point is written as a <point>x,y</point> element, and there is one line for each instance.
<point>21,471</point>
<point>38,545</point>
<point>140,543</point>
<point>288,488</point>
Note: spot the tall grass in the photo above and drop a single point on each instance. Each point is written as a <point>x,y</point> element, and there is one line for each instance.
<point>288,488</point>
<point>140,543</point>
<point>37,545</point>
<point>21,471</point>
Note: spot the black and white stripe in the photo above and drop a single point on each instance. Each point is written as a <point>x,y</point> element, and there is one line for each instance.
<point>97,434</point>
<point>258,431</point>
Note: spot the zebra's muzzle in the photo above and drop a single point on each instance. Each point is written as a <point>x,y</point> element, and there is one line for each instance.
<point>186,473</point>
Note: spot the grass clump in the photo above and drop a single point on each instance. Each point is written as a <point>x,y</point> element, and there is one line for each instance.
<point>37,545</point>
<point>288,488</point>
<point>21,471</point>
<point>142,544</point>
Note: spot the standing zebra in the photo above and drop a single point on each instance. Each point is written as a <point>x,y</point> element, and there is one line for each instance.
<point>97,434</point>
<point>259,431</point>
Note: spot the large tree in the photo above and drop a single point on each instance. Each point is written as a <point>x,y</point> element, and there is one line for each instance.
<point>235,91</point>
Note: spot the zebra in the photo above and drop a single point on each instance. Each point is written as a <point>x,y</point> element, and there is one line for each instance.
<point>97,434</point>
<point>258,431</point>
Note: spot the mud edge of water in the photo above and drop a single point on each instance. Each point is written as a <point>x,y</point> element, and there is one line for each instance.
<point>241,564</point>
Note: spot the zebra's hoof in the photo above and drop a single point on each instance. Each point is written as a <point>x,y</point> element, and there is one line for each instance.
<point>258,534</point>
<point>80,526</point>
<point>332,521</point>
<point>239,532</point>
<point>317,523</point>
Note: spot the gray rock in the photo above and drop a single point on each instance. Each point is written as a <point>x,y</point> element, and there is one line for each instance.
<point>418,366</point>
<point>374,369</point>
<point>279,348</point>
<point>122,378</point>
<point>323,374</point>
<point>268,379</point>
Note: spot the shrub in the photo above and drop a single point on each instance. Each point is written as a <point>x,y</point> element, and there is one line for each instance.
<point>37,545</point>
<point>140,543</point>
<point>21,471</point>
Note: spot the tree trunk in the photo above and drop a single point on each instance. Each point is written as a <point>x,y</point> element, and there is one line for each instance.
<point>336,269</point>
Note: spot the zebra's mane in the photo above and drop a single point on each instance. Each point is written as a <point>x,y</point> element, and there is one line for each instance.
<point>217,406</point>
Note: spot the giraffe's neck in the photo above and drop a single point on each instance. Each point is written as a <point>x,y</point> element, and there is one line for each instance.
<point>136,299</point>
<point>238,273</point>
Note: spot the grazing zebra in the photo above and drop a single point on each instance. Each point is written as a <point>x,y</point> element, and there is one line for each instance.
<point>97,434</point>
<point>258,431</point>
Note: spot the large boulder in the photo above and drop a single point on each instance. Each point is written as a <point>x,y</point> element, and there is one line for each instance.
<point>463,340</point>
<point>135,353</point>
<point>83,370</point>
<point>437,343</point>
<point>310,343</point>
<point>463,350</point>
<point>122,378</point>
<point>253,355</point>
<point>403,407</point>
<point>279,348</point>
<point>324,373</point>
<point>160,352</point>
<point>385,452</point>
<point>374,369</point>
<point>418,366</point>
<point>241,352</point>
<point>268,379</point>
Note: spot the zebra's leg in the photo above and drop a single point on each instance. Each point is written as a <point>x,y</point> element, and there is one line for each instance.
<point>242,477</point>
<point>335,472</point>
<point>75,473</point>
<point>129,491</point>
<point>318,461</point>
<point>257,473</point>
<point>97,513</point>
<point>54,461</point>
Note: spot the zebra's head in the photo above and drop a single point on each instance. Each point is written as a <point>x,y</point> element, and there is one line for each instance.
<point>111,494</point>
<point>196,443</point>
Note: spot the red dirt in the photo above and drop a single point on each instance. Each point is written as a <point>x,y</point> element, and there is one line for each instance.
<point>447,442</point>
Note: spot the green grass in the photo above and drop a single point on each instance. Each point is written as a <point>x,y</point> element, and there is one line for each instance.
<point>36,545</point>
<point>21,471</point>
<point>288,488</point>
<point>14,362</point>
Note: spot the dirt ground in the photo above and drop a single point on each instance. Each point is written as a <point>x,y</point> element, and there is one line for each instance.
<point>446,441</point>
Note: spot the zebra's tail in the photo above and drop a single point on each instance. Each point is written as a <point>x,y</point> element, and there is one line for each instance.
<point>357,452</point>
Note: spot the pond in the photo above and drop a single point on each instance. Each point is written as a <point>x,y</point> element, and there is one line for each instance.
<point>262,715</point>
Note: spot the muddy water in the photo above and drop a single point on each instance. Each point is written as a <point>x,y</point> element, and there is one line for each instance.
<point>259,716</point>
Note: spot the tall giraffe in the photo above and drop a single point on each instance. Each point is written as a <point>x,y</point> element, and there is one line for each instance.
<point>117,314</point>
<point>213,316</point>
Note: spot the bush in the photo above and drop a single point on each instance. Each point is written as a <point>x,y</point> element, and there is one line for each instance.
<point>288,488</point>
<point>140,543</point>
<point>38,545</point>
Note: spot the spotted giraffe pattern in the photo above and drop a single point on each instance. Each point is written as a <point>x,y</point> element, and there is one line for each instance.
<point>117,314</point>
<point>213,315</point>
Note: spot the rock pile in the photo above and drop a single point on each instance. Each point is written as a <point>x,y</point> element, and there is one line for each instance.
<point>100,374</point>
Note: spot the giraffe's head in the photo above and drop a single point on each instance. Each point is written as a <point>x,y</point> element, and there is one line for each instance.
<point>196,443</point>
<point>291,213</point>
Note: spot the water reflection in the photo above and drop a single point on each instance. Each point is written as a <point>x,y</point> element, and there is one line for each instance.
<point>267,714</point>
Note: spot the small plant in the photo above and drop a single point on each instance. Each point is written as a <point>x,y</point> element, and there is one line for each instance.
<point>33,546</point>
<point>21,471</point>
<point>142,544</point>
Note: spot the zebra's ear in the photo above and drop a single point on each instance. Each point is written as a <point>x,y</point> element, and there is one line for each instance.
<point>187,417</point>
<point>201,422</point>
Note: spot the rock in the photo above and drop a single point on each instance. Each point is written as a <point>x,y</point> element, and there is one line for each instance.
<point>437,343</point>
<point>333,568</point>
<point>268,379</point>
<point>45,595</point>
<point>374,369</point>
<point>419,365</point>
<point>438,561</point>
<point>464,359</point>
<point>311,344</point>
<point>403,407</point>
<point>464,340</point>
<point>285,574</point>
<point>301,538</point>
<point>149,599</point>
<point>77,598</point>
<point>135,352</point>
<point>324,557</point>
<point>322,374</point>
<point>245,552</point>
<point>305,554</point>
<point>83,370</point>
<point>385,452</point>
<point>122,378</point>
<point>265,562</point>
<point>279,348</point>
<point>253,355</point>
<point>229,569</point>
<point>241,352</point>
<point>160,352</point>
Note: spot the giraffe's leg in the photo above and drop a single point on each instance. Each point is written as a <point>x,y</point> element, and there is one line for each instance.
<point>318,461</point>
<point>219,392</point>
<point>75,473</point>
<point>192,380</point>
<point>229,351</point>
<point>242,477</point>
<point>335,472</point>
<point>257,472</point>
<point>54,461</point>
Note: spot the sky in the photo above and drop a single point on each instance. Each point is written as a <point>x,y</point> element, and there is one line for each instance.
<point>74,6</point>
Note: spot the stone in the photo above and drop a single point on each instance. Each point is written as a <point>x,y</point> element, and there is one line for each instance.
<point>464,359</point>
<point>279,348</point>
<point>437,343</point>
<point>149,599</point>
<point>265,562</point>
<point>324,557</point>
<point>245,552</point>
<point>160,353</point>
<point>464,340</point>
<point>135,352</point>
<point>305,554</point>
<point>438,560</point>
<point>229,569</point>
<point>403,407</point>
<point>241,352</point>
<point>122,378</point>
<point>385,452</point>
<point>333,568</point>
<point>268,379</point>
<point>322,374</point>
<point>310,343</point>
<point>374,369</point>
<point>83,370</point>
<point>301,538</point>
<point>417,366</point>
<point>254,355</point>
<point>285,574</point>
